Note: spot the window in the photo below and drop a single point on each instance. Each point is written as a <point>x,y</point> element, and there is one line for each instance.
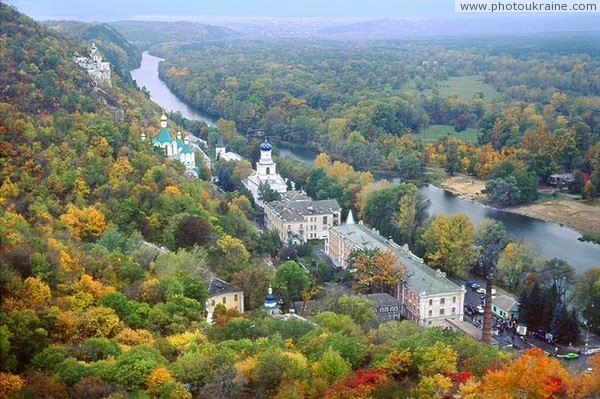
<point>431,302</point>
<point>268,170</point>
<point>442,301</point>
<point>324,219</point>
<point>441,312</point>
<point>235,298</point>
<point>453,299</point>
<point>453,310</point>
<point>224,300</point>
<point>430,313</point>
<point>212,302</point>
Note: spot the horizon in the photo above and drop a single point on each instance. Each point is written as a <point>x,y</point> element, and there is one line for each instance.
<point>254,10</point>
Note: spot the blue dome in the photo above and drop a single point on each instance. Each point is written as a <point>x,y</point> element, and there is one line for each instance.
<point>266,146</point>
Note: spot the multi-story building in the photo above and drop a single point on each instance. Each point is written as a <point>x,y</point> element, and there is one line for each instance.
<point>425,295</point>
<point>221,292</point>
<point>297,218</point>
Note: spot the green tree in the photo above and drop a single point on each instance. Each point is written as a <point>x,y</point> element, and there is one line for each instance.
<point>557,272</point>
<point>133,367</point>
<point>267,194</point>
<point>448,243</point>
<point>291,279</point>
<point>358,307</point>
<point>503,191</point>
<point>332,367</point>
<point>515,262</point>
<point>586,294</point>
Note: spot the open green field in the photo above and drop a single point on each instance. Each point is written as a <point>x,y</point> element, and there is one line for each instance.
<point>433,131</point>
<point>465,87</point>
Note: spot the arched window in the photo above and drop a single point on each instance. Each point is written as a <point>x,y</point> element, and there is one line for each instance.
<point>268,170</point>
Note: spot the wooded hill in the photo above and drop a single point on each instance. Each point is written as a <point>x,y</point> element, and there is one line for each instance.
<point>89,309</point>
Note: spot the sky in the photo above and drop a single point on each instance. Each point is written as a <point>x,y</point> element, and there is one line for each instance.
<point>113,10</point>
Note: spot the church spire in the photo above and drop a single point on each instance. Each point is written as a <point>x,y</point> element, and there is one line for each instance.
<point>163,120</point>
<point>350,218</point>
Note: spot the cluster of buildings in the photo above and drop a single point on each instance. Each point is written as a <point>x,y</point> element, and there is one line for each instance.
<point>98,69</point>
<point>425,296</point>
<point>176,148</point>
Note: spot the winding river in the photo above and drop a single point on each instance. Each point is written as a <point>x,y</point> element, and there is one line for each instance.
<point>549,239</point>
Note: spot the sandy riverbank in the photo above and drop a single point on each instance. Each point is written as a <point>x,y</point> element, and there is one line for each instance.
<point>579,216</point>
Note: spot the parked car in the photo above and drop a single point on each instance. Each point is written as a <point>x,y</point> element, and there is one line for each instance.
<point>479,309</point>
<point>481,290</point>
<point>469,283</point>
<point>475,286</point>
<point>571,355</point>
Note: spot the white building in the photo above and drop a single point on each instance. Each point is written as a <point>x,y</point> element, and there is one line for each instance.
<point>176,148</point>
<point>99,70</point>
<point>222,153</point>
<point>426,295</point>
<point>265,173</point>
<point>297,218</point>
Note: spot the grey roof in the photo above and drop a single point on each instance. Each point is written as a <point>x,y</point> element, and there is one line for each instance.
<point>383,299</point>
<point>506,303</point>
<point>295,211</point>
<point>219,287</point>
<point>294,195</point>
<point>420,277</point>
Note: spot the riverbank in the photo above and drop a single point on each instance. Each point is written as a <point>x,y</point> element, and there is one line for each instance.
<point>581,217</point>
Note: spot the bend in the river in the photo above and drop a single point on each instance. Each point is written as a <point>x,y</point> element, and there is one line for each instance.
<point>549,239</point>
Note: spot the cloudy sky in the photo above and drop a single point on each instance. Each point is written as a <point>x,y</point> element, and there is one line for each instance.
<point>110,10</point>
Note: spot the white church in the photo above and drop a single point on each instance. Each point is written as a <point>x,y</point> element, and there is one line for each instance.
<point>176,148</point>
<point>98,69</point>
<point>266,173</point>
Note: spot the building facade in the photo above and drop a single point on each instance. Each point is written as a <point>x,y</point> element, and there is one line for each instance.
<point>297,218</point>
<point>425,295</point>
<point>221,292</point>
<point>265,174</point>
<point>176,148</point>
<point>98,69</point>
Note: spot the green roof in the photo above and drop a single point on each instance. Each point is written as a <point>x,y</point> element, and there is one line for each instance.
<point>163,136</point>
<point>185,149</point>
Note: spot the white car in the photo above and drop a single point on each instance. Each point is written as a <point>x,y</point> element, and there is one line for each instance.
<point>481,290</point>
<point>479,309</point>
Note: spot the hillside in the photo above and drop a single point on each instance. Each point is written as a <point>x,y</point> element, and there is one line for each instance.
<point>114,47</point>
<point>146,34</point>
<point>106,251</point>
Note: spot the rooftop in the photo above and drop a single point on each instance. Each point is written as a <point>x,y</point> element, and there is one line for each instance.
<point>295,211</point>
<point>220,287</point>
<point>506,303</point>
<point>420,277</point>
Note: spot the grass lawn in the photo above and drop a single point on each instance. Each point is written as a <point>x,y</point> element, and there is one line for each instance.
<point>462,86</point>
<point>466,86</point>
<point>433,131</point>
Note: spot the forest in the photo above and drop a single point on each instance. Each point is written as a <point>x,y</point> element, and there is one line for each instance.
<point>106,248</point>
<point>535,111</point>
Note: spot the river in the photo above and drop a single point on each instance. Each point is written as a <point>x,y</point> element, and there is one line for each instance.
<point>549,239</point>
<point>147,76</point>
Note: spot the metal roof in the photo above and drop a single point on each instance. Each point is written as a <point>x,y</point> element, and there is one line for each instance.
<point>420,277</point>
<point>295,211</point>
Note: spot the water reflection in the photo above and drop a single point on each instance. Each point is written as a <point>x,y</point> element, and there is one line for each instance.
<point>549,239</point>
